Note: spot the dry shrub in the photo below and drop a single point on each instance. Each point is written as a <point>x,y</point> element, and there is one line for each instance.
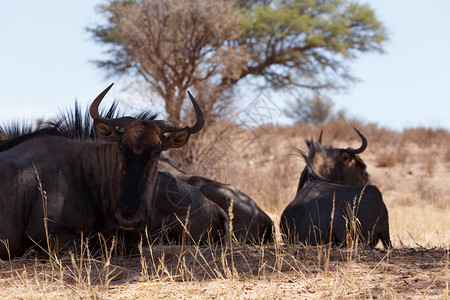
<point>210,151</point>
<point>340,130</point>
<point>447,155</point>
<point>426,137</point>
<point>380,137</point>
<point>391,156</point>
<point>432,197</point>
<point>386,159</point>
<point>429,163</point>
<point>335,130</point>
<point>258,161</point>
<point>402,155</point>
<point>405,201</point>
<point>299,131</point>
<point>428,194</point>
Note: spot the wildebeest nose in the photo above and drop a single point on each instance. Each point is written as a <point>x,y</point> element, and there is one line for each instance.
<point>141,225</point>
<point>130,220</point>
<point>126,211</point>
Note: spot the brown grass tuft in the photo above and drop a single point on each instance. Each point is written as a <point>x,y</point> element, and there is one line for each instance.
<point>386,159</point>
<point>426,137</point>
<point>429,163</point>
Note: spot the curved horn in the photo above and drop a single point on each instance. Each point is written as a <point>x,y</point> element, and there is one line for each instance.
<point>199,115</point>
<point>167,126</point>
<point>363,145</point>
<point>122,122</point>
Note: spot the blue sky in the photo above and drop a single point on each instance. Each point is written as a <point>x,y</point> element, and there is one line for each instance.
<point>45,55</point>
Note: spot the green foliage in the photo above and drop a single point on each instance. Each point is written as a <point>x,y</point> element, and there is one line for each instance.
<point>307,43</point>
<point>212,45</point>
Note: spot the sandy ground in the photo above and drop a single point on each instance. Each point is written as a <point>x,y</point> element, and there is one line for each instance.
<point>255,272</point>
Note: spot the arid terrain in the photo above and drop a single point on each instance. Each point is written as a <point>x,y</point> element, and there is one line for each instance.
<point>411,168</point>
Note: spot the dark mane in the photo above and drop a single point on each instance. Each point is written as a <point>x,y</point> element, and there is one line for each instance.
<point>71,124</point>
<point>309,173</point>
<point>74,124</point>
<point>12,140</point>
<point>16,128</point>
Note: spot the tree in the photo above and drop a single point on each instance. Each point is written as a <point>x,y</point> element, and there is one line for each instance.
<point>307,44</point>
<point>314,110</point>
<point>212,45</point>
<point>172,45</point>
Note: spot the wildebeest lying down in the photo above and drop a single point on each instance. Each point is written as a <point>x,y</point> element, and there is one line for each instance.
<point>337,175</point>
<point>91,186</point>
<point>250,223</point>
<point>178,205</point>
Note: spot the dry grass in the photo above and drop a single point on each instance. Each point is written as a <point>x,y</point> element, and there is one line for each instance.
<point>410,168</point>
<point>252,272</point>
<point>385,159</point>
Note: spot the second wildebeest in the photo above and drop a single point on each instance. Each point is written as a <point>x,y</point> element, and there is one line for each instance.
<point>181,210</point>
<point>250,223</point>
<point>90,186</point>
<point>335,178</point>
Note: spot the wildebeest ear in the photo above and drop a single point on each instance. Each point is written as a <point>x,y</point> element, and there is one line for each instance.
<point>319,140</point>
<point>177,139</point>
<point>345,157</point>
<point>106,132</point>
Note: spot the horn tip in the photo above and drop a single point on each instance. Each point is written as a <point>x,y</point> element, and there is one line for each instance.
<point>110,86</point>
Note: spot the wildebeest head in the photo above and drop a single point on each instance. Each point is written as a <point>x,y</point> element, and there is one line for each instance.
<point>140,143</point>
<point>343,166</point>
<point>331,182</point>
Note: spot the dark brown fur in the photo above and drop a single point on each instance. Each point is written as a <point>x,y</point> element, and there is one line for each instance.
<point>90,186</point>
<point>335,177</point>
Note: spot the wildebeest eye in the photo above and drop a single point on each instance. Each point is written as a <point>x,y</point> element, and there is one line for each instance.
<point>157,149</point>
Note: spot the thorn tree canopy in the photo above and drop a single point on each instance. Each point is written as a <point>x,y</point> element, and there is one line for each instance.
<point>210,46</point>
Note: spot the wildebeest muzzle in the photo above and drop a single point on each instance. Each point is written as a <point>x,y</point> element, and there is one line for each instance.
<point>131,220</point>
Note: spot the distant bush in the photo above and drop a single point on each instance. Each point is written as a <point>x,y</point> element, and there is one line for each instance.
<point>426,136</point>
<point>385,159</point>
<point>447,155</point>
<point>310,110</point>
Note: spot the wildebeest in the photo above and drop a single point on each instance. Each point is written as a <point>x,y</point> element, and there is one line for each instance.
<point>339,176</point>
<point>182,210</point>
<point>87,186</point>
<point>250,223</point>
